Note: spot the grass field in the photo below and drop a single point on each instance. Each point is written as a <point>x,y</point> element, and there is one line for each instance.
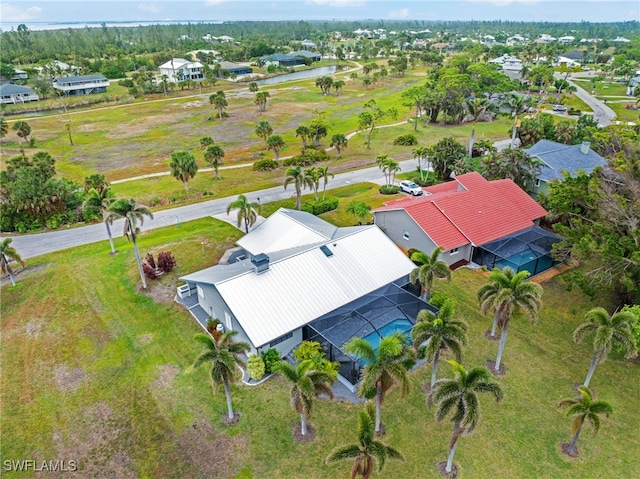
<point>96,371</point>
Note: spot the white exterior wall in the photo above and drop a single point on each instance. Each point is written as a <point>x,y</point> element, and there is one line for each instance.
<point>287,345</point>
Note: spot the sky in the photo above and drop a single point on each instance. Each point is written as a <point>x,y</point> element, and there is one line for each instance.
<point>33,12</point>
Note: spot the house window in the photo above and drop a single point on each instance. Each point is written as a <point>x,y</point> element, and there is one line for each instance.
<point>227,321</point>
<point>538,182</point>
<point>200,291</point>
<point>406,235</point>
<point>453,251</point>
<point>281,339</point>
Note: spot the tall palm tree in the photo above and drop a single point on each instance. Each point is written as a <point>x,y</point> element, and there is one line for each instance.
<point>606,331</point>
<point>102,199</point>
<point>384,367</point>
<point>306,383</point>
<point>224,356</point>
<point>442,333</point>
<point>263,130</point>
<point>7,254</point>
<point>584,407</point>
<point>323,173</point>
<point>430,268</point>
<point>477,107</point>
<point>133,214</point>
<point>183,167</point>
<point>296,176</point>
<point>339,141</point>
<point>458,398</point>
<point>213,156</point>
<point>507,293</point>
<point>518,104</point>
<point>247,211</point>
<point>312,177</point>
<point>304,132</point>
<point>421,153</point>
<point>368,451</point>
<point>219,101</point>
<point>275,143</point>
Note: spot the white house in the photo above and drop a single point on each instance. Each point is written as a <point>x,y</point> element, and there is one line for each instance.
<point>508,62</point>
<point>566,39</point>
<point>179,69</point>
<point>10,93</point>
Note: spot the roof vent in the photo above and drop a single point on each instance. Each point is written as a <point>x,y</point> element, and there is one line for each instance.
<point>325,249</point>
<point>260,263</point>
<point>584,147</point>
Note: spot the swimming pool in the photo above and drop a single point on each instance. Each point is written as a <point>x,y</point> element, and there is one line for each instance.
<point>401,324</point>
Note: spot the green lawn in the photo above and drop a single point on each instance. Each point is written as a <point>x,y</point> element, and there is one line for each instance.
<point>97,372</point>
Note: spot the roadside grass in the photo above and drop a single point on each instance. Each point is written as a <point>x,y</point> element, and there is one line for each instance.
<point>625,114</point>
<point>97,372</point>
<point>602,88</point>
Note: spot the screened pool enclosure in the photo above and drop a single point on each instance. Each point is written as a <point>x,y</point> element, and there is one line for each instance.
<point>372,317</point>
<point>528,250</point>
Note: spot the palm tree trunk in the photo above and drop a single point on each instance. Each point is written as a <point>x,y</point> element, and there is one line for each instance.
<point>503,340</point>
<point>592,368</point>
<point>452,450</point>
<point>434,369</point>
<point>473,135</point>
<point>135,249</point>
<point>513,135</point>
<point>378,406</point>
<point>10,272</point>
<point>113,249</point>
<point>572,447</point>
<point>298,194</point>
<point>303,424</point>
<point>494,325</point>
<point>227,393</point>
<point>186,185</point>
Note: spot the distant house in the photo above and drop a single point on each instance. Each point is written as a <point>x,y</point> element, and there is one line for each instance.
<point>472,219</point>
<point>576,55</point>
<point>558,158</point>
<point>566,39</point>
<point>236,68</point>
<point>281,59</point>
<point>11,94</point>
<point>621,40</point>
<point>81,85</point>
<point>308,44</point>
<point>179,69</point>
<point>20,75</point>
<point>314,57</point>
<point>55,68</point>
<point>567,62</point>
<point>508,62</point>
<point>300,278</point>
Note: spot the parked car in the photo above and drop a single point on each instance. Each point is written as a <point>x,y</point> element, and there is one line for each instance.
<point>410,187</point>
<point>560,108</point>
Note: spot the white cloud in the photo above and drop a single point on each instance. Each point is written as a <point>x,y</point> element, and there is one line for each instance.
<point>337,3</point>
<point>150,8</point>
<point>212,3</point>
<point>399,14</point>
<point>15,13</point>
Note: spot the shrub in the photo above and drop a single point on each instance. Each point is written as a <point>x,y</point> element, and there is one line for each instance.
<point>389,190</point>
<point>149,272</point>
<point>321,206</point>
<point>406,140</point>
<point>166,261</point>
<point>307,350</point>
<point>212,324</point>
<point>307,157</point>
<point>150,261</point>
<point>255,367</point>
<point>271,358</point>
<point>265,165</point>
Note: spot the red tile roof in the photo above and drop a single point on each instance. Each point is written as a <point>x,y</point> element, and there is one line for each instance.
<point>482,211</point>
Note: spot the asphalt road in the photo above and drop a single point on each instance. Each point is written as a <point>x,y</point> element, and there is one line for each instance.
<point>601,112</point>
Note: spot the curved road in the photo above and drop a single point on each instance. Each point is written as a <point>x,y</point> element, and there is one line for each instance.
<point>601,112</point>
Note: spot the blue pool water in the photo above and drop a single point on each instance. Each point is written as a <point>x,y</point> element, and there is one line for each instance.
<point>402,325</point>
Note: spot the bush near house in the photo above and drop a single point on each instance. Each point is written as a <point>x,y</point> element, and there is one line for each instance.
<point>321,206</point>
<point>271,358</point>
<point>255,367</point>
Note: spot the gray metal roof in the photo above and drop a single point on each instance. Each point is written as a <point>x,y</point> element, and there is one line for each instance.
<point>11,89</point>
<point>278,57</point>
<point>305,53</point>
<point>301,287</point>
<point>81,78</point>
<point>558,157</point>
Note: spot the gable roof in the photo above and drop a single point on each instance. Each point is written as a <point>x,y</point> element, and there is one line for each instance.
<point>301,286</point>
<point>305,53</point>
<point>470,210</point>
<point>11,89</point>
<point>81,78</point>
<point>177,63</point>
<point>558,157</point>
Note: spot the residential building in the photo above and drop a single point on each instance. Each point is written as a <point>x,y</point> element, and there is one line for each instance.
<point>508,62</point>
<point>81,85</point>
<point>296,277</point>
<point>282,59</point>
<point>313,56</point>
<point>236,68</point>
<point>11,94</point>
<point>558,158</point>
<point>308,44</point>
<point>179,69</point>
<point>471,219</point>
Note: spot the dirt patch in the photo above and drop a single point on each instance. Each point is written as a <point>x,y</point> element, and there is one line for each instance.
<point>487,335</point>
<point>209,452</point>
<point>442,469</point>
<point>24,272</point>
<point>161,292</point>
<point>167,374</point>
<point>68,379</point>
<point>144,339</point>
<point>569,452</point>
<point>230,422</point>
<point>34,327</point>
<point>193,104</point>
<point>299,437</point>
<point>491,365</point>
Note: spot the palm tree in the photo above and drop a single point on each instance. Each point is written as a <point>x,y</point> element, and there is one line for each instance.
<point>306,383</point>
<point>296,176</point>
<point>421,153</point>
<point>312,178</point>
<point>183,167</point>
<point>477,107</point>
<point>323,172</point>
<point>606,330</point>
<point>359,209</point>
<point>584,407</point>
<point>263,130</point>
<point>506,293</point>
<point>7,254</point>
<point>385,366</point>
<point>205,142</point>
<point>224,356</point>
<point>430,268</point>
<point>368,451</point>
<point>22,129</point>
<point>253,87</point>
<point>261,100</point>
<point>442,332</point>
<point>219,101</point>
<point>247,211</point>
<point>458,398</point>
<point>133,213</point>
<point>518,104</point>
<point>102,199</point>
<point>4,128</point>
<point>275,143</point>
<point>304,132</point>
<point>213,156</point>
<point>339,141</point>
